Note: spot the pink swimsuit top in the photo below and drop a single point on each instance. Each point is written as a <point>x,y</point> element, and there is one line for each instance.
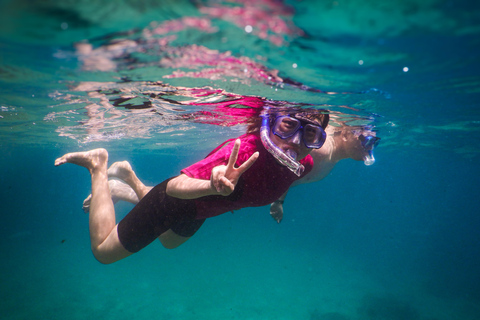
<point>264,182</point>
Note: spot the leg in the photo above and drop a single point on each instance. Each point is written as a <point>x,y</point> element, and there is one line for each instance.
<point>119,190</point>
<point>105,244</point>
<point>122,191</point>
<point>134,191</point>
<point>123,170</point>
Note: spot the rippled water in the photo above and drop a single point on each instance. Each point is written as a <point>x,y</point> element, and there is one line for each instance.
<point>385,60</point>
<point>150,81</point>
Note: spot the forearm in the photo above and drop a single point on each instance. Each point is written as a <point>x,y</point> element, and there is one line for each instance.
<point>185,187</point>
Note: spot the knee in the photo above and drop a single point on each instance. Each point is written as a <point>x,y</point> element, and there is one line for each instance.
<point>109,256</point>
<point>102,258</point>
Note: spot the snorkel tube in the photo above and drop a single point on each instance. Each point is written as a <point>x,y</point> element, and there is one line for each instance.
<point>369,159</point>
<point>369,144</point>
<point>286,160</point>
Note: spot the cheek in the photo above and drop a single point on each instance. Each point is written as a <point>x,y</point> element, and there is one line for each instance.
<point>278,142</point>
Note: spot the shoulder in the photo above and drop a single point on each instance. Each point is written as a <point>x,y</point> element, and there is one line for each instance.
<point>250,143</point>
<point>248,146</point>
<point>250,139</point>
<point>253,140</point>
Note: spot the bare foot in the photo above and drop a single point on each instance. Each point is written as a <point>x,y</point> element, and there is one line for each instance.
<point>93,159</point>
<point>119,191</point>
<point>121,170</point>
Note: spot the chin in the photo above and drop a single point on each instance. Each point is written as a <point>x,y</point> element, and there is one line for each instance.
<point>360,158</point>
<point>302,155</point>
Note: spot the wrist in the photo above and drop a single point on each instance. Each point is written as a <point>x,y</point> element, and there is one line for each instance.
<point>279,201</point>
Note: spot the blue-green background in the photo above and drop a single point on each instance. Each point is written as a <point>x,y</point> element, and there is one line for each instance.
<point>398,240</point>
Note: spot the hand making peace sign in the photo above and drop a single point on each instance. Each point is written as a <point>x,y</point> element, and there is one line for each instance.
<point>225,178</point>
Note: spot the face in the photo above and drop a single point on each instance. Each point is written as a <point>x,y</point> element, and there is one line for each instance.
<point>293,143</point>
<point>355,149</point>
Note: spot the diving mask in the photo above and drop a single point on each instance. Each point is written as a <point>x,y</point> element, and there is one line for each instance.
<point>286,126</point>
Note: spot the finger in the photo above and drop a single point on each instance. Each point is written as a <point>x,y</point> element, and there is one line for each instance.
<point>226,185</point>
<point>247,164</point>
<point>215,176</point>
<point>234,155</point>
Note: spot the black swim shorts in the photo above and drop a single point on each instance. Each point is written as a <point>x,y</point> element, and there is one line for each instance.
<point>156,213</point>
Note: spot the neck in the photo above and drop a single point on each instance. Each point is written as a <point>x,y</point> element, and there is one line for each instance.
<point>327,152</point>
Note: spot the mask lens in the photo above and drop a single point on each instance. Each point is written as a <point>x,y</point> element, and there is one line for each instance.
<point>285,127</point>
<point>313,136</point>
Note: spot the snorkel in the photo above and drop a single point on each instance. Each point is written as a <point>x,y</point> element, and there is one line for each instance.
<point>288,160</point>
<point>368,144</point>
<point>369,159</point>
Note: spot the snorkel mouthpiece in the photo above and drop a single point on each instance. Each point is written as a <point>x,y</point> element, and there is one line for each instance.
<point>369,159</point>
<point>369,143</point>
<point>288,160</point>
<point>292,154</point>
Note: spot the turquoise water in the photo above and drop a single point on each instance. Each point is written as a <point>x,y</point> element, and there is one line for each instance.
<point>396,240</point>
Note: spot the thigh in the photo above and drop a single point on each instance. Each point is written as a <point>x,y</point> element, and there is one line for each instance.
<point>111,249</point>
<point>155,214</point>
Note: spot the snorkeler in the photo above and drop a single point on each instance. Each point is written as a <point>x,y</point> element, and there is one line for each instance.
<point>255,170</point>
<point>345,143</point>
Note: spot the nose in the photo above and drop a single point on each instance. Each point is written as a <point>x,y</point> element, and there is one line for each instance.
<point>296,138</point>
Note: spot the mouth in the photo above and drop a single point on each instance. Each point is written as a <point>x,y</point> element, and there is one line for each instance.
<point>369,159</point>
<point>292,154</point>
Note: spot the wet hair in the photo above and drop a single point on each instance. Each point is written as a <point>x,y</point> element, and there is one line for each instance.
<point>354,131</point>
<point>319,116</point>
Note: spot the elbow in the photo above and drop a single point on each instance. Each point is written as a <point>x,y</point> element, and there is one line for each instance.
<point>108,257</point>
<point>102,258</point>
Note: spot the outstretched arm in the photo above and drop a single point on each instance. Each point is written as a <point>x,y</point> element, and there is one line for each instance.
<point>185,187</point>
<point>222,180</point>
